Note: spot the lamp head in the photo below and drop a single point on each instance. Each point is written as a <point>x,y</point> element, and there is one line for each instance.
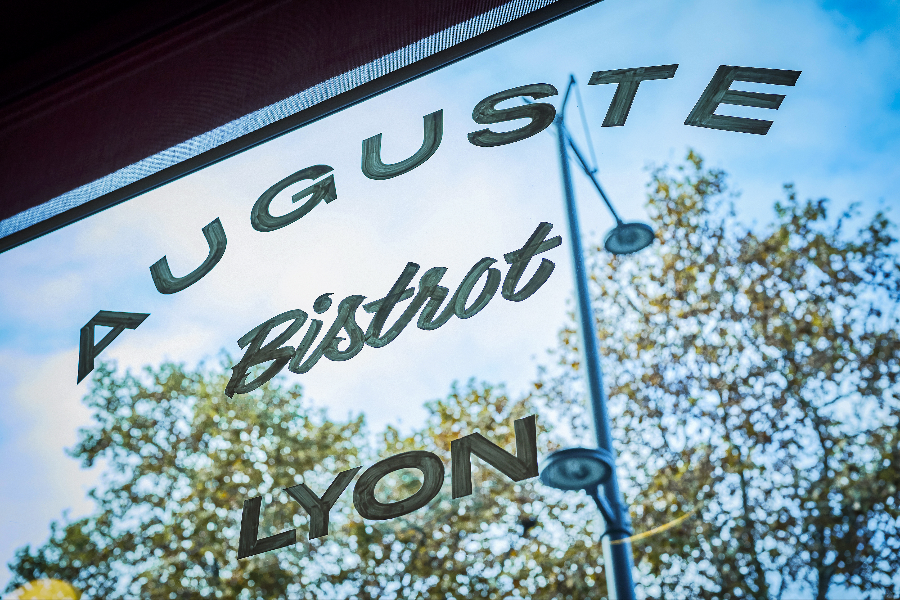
<point>627,238</point>
<point>576,468</point>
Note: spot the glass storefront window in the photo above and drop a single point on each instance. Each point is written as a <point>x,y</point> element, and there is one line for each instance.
<point>750,352</point>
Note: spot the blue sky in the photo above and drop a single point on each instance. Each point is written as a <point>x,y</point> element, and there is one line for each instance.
<point>836,135</point>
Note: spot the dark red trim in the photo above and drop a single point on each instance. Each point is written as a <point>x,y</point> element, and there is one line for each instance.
<point>215,68</point>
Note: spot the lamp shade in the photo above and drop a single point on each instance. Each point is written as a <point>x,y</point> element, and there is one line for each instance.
<point>576,468</point>
<point>627,238</point>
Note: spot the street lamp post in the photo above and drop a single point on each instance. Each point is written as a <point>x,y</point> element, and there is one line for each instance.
<point>594,470</point>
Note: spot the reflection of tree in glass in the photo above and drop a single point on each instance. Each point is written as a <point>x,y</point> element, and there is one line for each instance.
<point>753,378</point>
<point>181,458</point>
<point>753,374</point>
<point>179,461</point>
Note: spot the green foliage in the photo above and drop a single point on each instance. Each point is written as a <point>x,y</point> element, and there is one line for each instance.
<point>753,376</point>
<point>180,459</point>
<point>506,540</point>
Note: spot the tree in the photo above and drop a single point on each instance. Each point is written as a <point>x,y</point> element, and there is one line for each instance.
<point>506,540</point>
<point>753,378</point>
<point>179,463</point>
<point>180,458</point>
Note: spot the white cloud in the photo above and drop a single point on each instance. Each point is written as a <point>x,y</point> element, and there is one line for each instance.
<point>41,410</point>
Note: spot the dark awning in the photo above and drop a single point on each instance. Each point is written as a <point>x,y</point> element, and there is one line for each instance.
<point>127,99</point>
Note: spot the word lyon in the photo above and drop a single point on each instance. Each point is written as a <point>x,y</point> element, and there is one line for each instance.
<point>522,466</point>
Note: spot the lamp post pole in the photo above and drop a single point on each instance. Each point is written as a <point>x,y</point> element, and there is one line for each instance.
<point>616,547</point>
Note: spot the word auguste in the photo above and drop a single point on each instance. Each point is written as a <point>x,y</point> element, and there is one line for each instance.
<point>524,465</point>
<point>540,115</point>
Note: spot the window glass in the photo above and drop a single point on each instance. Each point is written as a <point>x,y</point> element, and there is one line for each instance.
<point>750,352</point>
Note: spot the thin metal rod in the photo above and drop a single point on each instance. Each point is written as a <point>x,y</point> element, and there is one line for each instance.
<point>618,558</point>
<point>562,108</point>
<point>587,130</point>
<point>592,174</point>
